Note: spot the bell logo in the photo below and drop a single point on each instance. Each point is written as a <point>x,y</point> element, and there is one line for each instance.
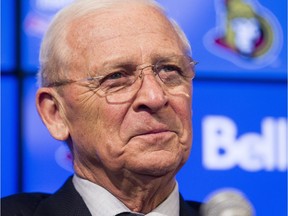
<point>223,149</point>
<point>246,33</point>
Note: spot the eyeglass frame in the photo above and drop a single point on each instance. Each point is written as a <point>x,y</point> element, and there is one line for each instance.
<point>138,68</point>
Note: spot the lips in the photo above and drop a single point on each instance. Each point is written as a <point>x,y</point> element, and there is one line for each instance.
<point>153,132</point>
<point>155,127</point>
<point>156,131</point>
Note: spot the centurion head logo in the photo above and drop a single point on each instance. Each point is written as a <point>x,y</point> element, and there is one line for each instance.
<point>246,33</point>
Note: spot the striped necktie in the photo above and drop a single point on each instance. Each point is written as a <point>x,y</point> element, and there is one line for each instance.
<point>129,214</point>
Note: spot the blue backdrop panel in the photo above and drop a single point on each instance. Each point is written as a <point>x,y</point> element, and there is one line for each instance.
<point>36,16</point>
<point>218,42</point>
<point>44,157</point>
<point>8,36</point>
<point>9,136</point>
<point>240,141</point>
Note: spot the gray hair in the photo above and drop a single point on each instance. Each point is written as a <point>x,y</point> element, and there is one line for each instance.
<point>55,55</point>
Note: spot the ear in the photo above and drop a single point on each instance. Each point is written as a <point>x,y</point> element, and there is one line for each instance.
<point>51,114</point>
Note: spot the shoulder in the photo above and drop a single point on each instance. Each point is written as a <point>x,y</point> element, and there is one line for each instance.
<point>22,204</point>
<point>65,202</point>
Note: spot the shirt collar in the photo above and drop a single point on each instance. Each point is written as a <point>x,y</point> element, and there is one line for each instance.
<point>101,202</point>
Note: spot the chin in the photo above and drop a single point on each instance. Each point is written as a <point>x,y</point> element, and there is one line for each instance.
<point>158,165</point>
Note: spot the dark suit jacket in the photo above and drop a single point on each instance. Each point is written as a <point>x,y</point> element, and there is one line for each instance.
<point>65,202</point>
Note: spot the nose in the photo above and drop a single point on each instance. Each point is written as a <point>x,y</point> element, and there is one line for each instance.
<point>151,96</point>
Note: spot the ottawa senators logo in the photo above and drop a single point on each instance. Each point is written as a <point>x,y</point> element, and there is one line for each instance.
<point>246,33</point>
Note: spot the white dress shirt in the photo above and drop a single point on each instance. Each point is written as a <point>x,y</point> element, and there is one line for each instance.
<point>101,202</point>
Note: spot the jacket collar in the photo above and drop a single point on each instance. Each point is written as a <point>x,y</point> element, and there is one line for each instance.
<point>189,208</point>
<point>65,202</point>
<point>68,202</point>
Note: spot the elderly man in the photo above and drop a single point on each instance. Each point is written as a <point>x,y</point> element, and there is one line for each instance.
<point>116,87</point>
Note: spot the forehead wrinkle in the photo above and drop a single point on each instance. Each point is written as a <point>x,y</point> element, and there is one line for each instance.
<point>116,56</point>
<point>116,53</point>
<point>88,33</point>
<point>97,25</point>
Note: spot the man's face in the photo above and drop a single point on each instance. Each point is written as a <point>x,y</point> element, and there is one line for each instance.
<point>149,134</point>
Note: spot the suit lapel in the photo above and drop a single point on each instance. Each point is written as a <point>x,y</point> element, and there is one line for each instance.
<point>191,209</point>
<point>68,202</point>
<point>65,202</point>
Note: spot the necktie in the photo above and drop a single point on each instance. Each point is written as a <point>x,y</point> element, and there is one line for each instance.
<point>129,214</point>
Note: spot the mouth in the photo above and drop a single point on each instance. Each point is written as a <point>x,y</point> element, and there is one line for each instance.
<point>155,134</point>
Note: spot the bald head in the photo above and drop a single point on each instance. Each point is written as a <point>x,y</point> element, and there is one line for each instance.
<point>75,31</point>
<point>119,92</point>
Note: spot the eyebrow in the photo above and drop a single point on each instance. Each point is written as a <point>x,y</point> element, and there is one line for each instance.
<point>113,67</point>
<point>128,63</point>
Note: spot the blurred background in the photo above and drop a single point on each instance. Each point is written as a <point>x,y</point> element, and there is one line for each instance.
<point>239,104</point>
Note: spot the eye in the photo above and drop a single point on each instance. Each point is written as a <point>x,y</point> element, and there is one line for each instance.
<point>116,75</point>
<point>115,81</point>
<point>113,77</point>
<point>168,68</point>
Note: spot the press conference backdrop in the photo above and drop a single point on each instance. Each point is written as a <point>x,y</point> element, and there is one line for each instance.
<point>239,104</point>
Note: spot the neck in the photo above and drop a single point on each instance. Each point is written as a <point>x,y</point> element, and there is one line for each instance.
<point>140,193</point>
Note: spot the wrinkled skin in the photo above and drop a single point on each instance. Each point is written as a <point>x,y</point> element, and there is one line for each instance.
<point>133,149</point>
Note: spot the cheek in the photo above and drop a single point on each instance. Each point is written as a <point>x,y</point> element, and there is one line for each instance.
<point>104,121</point>
<point>182,103</point>
<point>183,108</point>
<point>82,114</point>
<point>94,129</point>
<point>109,146</point>
<point>84,122</point>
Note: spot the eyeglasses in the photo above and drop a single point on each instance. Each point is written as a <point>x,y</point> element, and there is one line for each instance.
<point>173,73</point>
